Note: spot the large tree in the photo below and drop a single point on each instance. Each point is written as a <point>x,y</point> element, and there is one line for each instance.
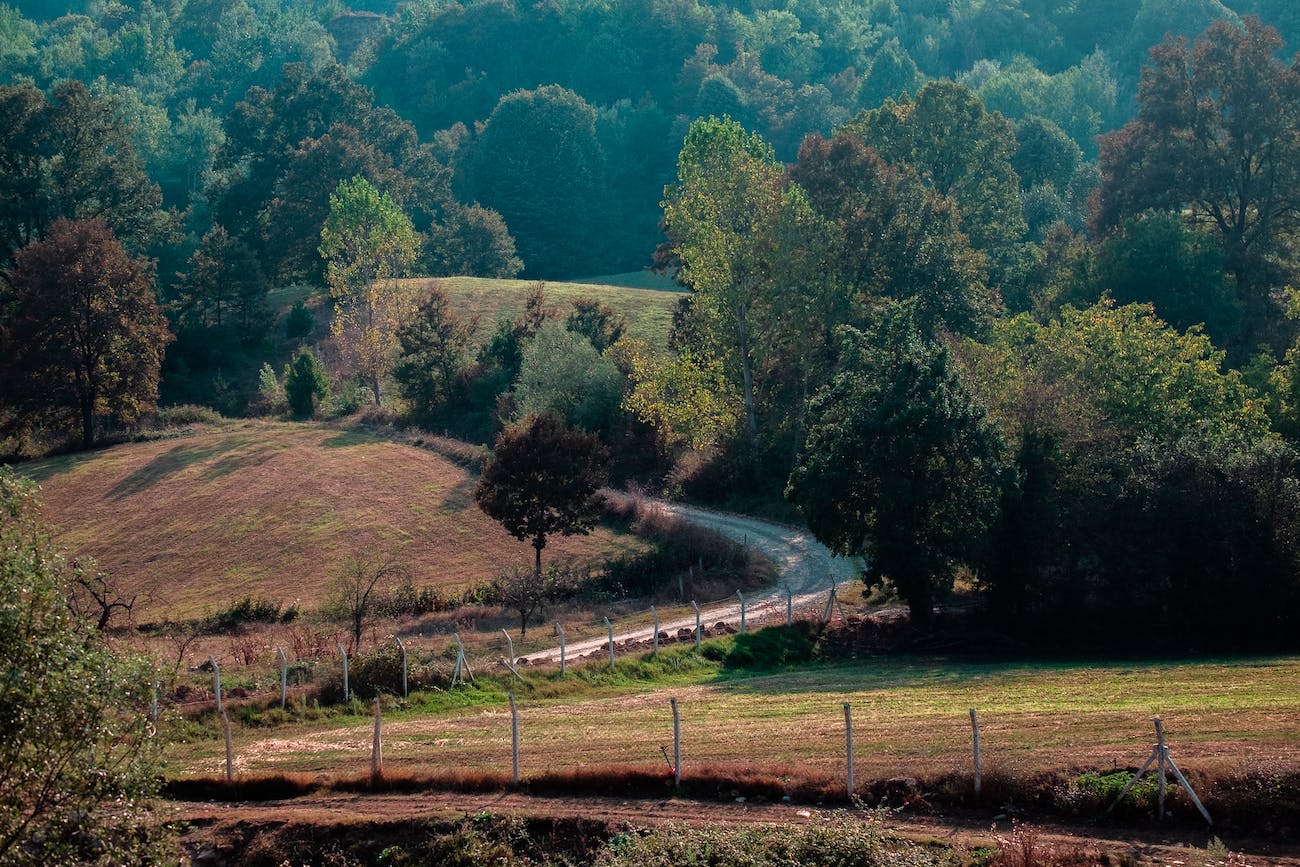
<point>367,243</point>
<point>900,464</point>
<point>85,336</point>
<point>543,478</point>
<point>434,353</point>
<point>1217,137</point>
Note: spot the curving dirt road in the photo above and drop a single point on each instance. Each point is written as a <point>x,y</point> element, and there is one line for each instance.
<point>806,570</point>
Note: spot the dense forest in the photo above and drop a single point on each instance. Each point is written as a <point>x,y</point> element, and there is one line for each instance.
<point>995,287</point>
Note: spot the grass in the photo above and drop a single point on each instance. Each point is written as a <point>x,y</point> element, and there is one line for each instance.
<point>269,509</point>
<point>649,309</point>
<point>1223,718</point>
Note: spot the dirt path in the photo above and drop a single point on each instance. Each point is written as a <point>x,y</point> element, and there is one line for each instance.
<point>805,567</point>
<point>1169,846</point>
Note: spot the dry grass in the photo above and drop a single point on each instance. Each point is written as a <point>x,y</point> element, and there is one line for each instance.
<point>270,509</point>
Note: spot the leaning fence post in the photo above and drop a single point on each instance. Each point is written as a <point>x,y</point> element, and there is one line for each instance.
<point>514,739</point>
<point>377,749</point>
<point>230,749</point>
<point>975,739</point>
<point>848,747</point>
<point>656,616</point>
<point>402,647</point>
<point>697,623</point>
<point>510,643</point>
<point>347,694</point>
<point>677,744</point>
<point>741,596</point>
<point>560,629</point>
<point>216,683</point>
<point>284,677</point>
<point>610,629</point>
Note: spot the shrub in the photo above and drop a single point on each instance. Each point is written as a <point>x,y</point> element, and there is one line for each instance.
<point>298,322</point>
<point>305,383</point>
<point>772,647</point>
<point>185,414</point>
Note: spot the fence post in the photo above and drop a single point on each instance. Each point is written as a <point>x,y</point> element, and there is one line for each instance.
<point>347,694</point>
<point>216,683</point>
<point>677,744</point>
<point>610,629</point>
<point>1162,756</point>
<point>681,588</point>
<point>789,606</point>
<point>560,629</point>
<point>230,749</point>
<point>697,623</point>
<point>510,643</point>
<point>848,745</point>
<point>514,739</point>
<point>656,616</point>
<point>402,648</point>
<point>284,677</point>
<point>742,611</point>
<point>377,749</point>
<point>975,740</point>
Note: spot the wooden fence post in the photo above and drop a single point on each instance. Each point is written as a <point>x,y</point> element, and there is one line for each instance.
<point>742,611</point>
<point>677,744</point>
<point>347,693</point>
<point>514,739</point>
<point>656,617</point>
<point>789,606</point>
<point>848,747</point>
<point>560,631</point>
<point>216,683</point>
<point>975,739</point>
<point>284,677</point>
<point>377,749</point>
<point>1161,782</point>
<point>610,629</point>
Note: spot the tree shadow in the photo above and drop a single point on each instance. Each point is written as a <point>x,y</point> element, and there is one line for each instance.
<point>346,439</point>
<point>459,496</point>
<point>168,463</point>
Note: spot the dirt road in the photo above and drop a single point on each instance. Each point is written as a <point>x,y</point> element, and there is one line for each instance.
<point>806,570</point>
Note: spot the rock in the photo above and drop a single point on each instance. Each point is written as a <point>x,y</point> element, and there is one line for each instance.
<point>685,633</point>
<point>522,661</point>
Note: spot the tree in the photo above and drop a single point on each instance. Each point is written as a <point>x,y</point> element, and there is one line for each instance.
<point>525,591</point>
<point>900,464</point>
<point>562,373</point>
<point>366,241</point>
<point>354,587</point>
<point>1217,137</point>
<point>77,755</point>
<point>596,321</point>
<point>543,478</point>
<point>86,336</point>
<point>224,277</point>
<point>305,383</point>
<point>434,352</point>
<point>473,241</point>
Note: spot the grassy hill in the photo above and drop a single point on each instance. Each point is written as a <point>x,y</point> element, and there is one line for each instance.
<point>648,307</point>
<point>270,509</point>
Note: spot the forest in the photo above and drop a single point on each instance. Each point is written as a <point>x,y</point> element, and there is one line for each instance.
<point>996,292</point>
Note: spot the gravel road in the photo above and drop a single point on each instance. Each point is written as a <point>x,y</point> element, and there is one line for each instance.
<point>805,566</point>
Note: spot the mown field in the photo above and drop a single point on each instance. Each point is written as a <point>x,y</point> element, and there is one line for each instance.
<point>910,714</point>
<point>271,510</point>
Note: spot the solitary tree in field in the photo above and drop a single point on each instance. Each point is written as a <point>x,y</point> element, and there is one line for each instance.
<point>367,242</point>
<point>86,336</point>
<point>357,585</point>
<point>543,479</point>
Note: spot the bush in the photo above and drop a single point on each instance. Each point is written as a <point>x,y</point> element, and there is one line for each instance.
<point>305,383</point>
<point>299,322</point>
<point>772,647</point>
<point>185,414</point>
<point>1093,794</point>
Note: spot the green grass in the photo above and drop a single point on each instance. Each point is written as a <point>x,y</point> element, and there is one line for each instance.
<point>649,311</point>
<point>910,714</point>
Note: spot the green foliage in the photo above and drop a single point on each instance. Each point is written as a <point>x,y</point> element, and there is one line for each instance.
<point>299,322</point>
<point>471,241</point>
<point>77,754</point>
<point>433,355</point>
<point>900,463</point>
<point>772,647</point>
<point>306,383</point>
<point>1093,793</point>
<point>562,373</point>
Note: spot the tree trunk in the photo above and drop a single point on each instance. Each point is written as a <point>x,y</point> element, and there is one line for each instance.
<point>538,544</point>
<point>374,387</point>
<point>920,604</point>
<point>87,422</point>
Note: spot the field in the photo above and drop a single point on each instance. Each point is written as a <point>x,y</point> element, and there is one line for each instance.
<point>649,311</point>
<point>270,510</point>
<point>1223,718</point>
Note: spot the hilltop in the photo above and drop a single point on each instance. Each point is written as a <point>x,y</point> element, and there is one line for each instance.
<point>269,509</point>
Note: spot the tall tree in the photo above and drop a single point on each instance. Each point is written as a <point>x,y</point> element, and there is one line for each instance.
<point>900,463</point>
<point>1217,136</point>
<point>434,352</point>
<point>368,243</point>
<point>85,336</point>
<point>543,478</point>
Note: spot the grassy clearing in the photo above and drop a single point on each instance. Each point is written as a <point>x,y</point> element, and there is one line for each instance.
<point>649,309</point>
<point>270,509</point>
<point>1223,718</point>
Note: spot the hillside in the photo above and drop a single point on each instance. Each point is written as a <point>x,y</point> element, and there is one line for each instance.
<point>649,310</point>
<point>270,509</point>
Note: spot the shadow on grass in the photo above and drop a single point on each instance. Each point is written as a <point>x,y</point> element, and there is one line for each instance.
<point>168,463</point>
<point>347,439</point>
